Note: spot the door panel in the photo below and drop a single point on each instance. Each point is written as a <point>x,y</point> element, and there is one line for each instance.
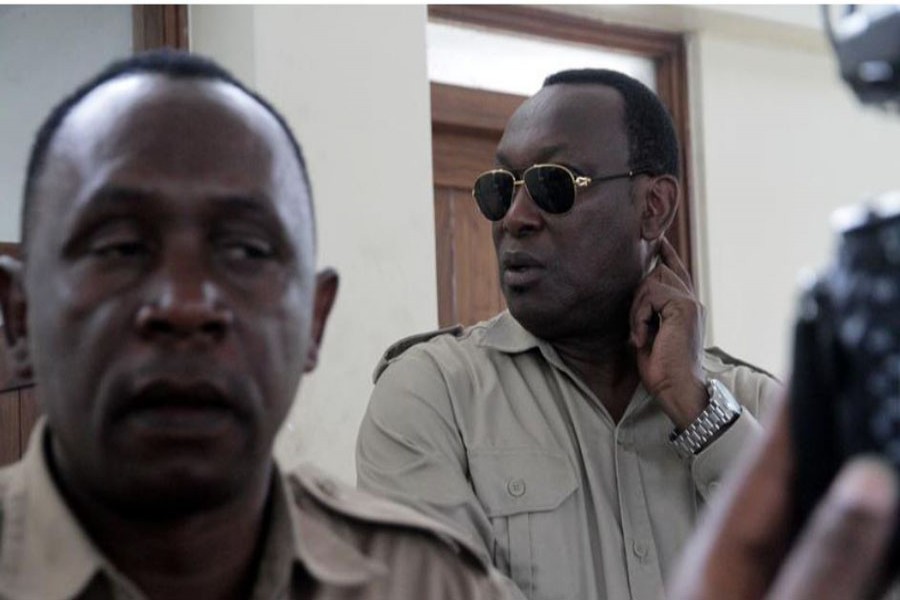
<point>466,128</point>
<point>466,261</point>
<point>10,446</point>
<point>29,412</point>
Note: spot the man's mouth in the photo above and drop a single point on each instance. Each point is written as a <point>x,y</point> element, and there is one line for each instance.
<point>519,269</point>
<point>180,409</point>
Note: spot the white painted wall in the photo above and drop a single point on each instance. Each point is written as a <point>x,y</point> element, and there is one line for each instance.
<point>784,144</point>
<point>352,83</point>
<point>45,51</point>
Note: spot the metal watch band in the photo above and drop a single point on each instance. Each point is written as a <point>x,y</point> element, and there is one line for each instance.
<point>721,411</point>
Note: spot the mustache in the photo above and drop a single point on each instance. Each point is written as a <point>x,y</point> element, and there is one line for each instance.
<point>512,259</point>
<point>189,383</point>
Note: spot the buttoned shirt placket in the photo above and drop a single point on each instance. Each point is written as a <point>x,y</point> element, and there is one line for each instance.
<point>639,550</point>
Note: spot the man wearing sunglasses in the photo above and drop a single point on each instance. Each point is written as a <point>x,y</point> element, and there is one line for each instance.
<point>576,436</point>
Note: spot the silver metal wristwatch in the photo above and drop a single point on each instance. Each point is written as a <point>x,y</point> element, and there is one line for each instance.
<point>721,412</point>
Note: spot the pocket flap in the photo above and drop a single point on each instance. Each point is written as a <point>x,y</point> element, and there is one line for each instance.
<point>508,481</point>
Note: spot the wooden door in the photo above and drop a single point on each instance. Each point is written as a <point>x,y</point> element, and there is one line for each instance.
<point>18,402</point>
<point>466,127</point>
<point>19,411</point>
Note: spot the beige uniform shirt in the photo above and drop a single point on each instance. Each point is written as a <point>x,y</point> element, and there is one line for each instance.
<point>489,429</point>
<point>326,542</point>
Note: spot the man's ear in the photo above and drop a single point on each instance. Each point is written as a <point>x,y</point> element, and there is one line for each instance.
<point>660,204</point>
<point>15,317</point>
<point>326,291</point>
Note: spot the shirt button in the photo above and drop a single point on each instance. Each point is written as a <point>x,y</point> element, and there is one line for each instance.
<point>328,487</point>
<point>640,550</point>
<point>516,487</point>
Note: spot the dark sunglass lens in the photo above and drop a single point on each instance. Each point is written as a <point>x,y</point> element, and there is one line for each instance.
<point>493,192</point>
<point>551,188</point>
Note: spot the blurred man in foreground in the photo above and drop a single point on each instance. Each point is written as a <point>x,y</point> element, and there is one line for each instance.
<point>169,303</point>
<point>741,552</point>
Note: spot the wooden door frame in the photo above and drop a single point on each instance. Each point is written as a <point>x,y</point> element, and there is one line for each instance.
<point>160,26</point>
<point>455,110</point>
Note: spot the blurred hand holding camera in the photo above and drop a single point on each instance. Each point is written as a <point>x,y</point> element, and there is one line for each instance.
<point>741,551</point>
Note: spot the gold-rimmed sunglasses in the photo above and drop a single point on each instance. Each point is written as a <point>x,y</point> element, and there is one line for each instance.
<point>552,187</point>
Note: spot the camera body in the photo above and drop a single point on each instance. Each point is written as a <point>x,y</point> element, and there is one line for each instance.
<point>845,385</point>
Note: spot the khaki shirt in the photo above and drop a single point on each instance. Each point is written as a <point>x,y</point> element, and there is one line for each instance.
<point>326,541</point>
<point>489,429</point>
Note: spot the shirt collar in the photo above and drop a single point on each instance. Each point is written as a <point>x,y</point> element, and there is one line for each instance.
<point>40,535</point>
<point>318,544</point>
<point>506,334</point>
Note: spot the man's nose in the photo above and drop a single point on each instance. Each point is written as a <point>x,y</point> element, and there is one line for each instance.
<point>523,216</point>
<point>184,303</point>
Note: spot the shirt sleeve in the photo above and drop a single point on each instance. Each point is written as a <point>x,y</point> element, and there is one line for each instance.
<point>757,393</point>
<point>410,449</point>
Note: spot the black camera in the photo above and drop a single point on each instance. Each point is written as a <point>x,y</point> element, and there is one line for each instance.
<point>845,386</point>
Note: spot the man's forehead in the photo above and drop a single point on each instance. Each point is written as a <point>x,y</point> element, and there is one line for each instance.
<point>115,104</point>
<point>564,105</point>
<point>566,115</point>
<point>175,136</point>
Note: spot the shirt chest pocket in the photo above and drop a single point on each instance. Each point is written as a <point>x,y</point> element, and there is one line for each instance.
<point>526,495</point>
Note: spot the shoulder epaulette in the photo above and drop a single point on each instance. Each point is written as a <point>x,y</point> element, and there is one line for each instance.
<point>359,505</point>
<point>736,362</point>
<point>396,349</point>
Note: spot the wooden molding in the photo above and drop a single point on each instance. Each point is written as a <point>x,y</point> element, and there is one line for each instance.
<point>9,249</point>
<point>455,107</point>
<point>466,126</point>
<point>569,28</point>
<point>160,26</point>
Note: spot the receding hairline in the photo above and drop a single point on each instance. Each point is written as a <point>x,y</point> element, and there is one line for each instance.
<point>239,103</point>
<point>531,107</point>
<point>175,65</point>
<point>232,98</point>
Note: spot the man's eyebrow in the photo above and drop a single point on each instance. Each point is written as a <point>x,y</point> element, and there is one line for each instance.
<point>116,194</point>
<point>113,198</point>
<point>111,201</point>
<point>254,206</point>
<point>121,196</point>
<point>252,201</point>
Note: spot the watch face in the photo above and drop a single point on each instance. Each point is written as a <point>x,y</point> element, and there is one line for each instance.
<point>724,395</point>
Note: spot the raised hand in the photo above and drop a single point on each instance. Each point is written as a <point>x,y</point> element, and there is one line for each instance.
<point>667,322</point>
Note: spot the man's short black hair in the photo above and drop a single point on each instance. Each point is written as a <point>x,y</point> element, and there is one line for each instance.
<point>653,145</point>
<point>172,63</point>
